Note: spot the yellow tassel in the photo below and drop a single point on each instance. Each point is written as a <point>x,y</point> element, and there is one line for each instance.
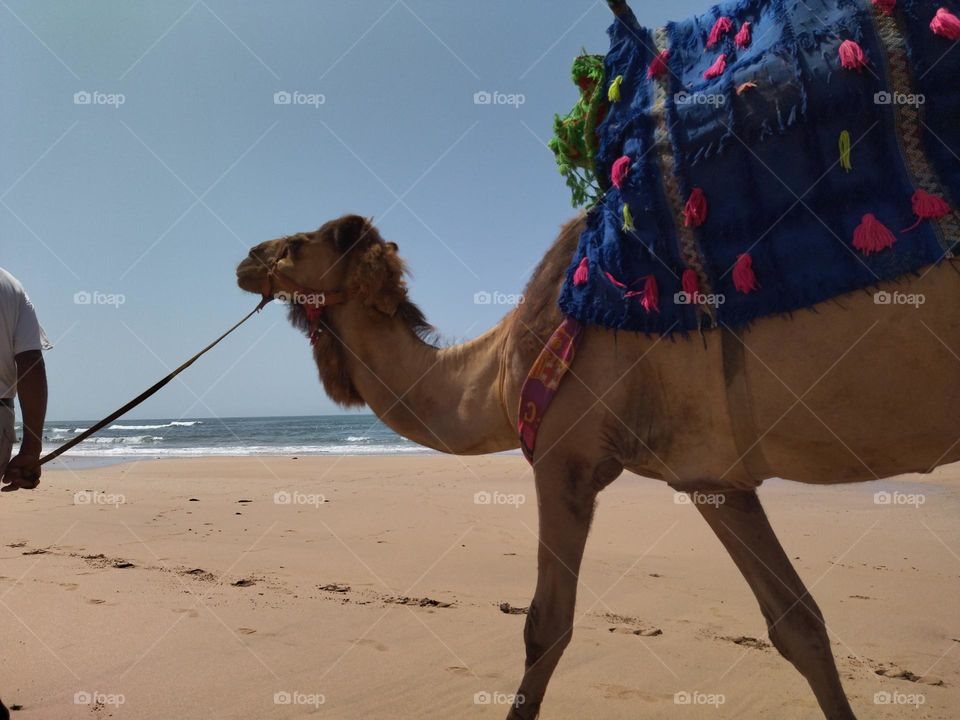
<point>845,151</point>
<point>613,94</point>
<point>627,219</point>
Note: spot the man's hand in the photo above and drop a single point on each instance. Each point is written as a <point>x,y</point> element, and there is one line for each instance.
<point>23,473</point>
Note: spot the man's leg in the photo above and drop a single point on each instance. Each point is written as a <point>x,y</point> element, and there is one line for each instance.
<point>7,438</point>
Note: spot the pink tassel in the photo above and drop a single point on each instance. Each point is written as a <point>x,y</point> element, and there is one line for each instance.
<point>620,170</point>
<point>722,26</point>
<point>616,282</point>
<point>658,66</point>
<point>885,6</point>
<point>927,206</point>
<point>649,296</point>
<point>872,236</point>
<point>690,284</point>
<point>851,55</point>
<point>695,211</point>
<point>947,24</point>
<point>582,273</point>
<point>743,38</point>
<point>717,69</point>
<point>744,279</point>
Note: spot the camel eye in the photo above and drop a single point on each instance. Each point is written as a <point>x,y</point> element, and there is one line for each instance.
<point>290,249</point>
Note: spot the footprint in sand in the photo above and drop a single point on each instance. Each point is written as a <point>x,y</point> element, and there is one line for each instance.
<point>621,692</point>
<point>95,601</point>
<point>68,586</point>
<point>190,612</point>
<point>897,673</point>
<point>641,631</point>
<point>200,574</point>
<point>246,631</point>
<point>509,609</point>
<point>747,641</point>
<point>373,644</point>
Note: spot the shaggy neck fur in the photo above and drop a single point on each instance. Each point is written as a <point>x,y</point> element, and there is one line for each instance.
<point>448,399</point>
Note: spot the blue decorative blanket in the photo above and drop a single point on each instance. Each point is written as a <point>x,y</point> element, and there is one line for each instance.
<point>769,155</point>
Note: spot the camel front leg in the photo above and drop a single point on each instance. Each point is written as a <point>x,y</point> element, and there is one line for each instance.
<point>566,499</point>
<point>794,622</point>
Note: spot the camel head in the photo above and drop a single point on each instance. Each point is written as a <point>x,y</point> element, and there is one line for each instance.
<point>344,257</point>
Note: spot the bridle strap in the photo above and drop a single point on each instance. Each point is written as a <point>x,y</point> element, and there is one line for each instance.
<point>276,282</point>
<point>313,301</point>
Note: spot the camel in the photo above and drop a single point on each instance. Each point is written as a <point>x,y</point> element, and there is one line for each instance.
<point>848,392</point>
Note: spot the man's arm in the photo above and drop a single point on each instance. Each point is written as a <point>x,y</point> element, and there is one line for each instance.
<point>22,470</point>
<point>32,389</point>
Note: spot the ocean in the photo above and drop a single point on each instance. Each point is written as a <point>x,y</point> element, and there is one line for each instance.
<point>160,438</point>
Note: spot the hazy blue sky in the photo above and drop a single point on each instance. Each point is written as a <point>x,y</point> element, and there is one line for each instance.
<point>159,197</point>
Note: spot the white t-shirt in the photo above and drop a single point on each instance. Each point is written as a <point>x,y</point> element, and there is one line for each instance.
<point>19,331</point>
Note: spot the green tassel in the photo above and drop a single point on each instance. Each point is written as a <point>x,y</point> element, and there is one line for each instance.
<point>845,151</point>
<point>628,225</point>
<point>613,94</point>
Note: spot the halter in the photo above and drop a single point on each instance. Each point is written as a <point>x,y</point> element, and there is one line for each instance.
<point>312,300</point>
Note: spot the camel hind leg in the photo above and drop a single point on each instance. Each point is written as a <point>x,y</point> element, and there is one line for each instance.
<point>794,622</point>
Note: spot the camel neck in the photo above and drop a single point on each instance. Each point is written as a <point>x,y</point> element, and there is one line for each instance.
<point>448,399</point>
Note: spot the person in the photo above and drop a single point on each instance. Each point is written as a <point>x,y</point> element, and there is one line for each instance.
<point>22,372</point>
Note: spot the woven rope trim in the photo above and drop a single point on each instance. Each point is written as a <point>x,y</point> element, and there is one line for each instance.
<point>909,122</point>
<point>689,245</point>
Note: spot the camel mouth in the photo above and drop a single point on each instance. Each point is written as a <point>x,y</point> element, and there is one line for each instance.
<point>252,275</point>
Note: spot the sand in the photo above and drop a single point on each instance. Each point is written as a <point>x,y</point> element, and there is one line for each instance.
<point>188,589</point>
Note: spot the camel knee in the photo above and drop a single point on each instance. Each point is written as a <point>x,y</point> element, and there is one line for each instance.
<point>800,636</point>
<point>546,631</point>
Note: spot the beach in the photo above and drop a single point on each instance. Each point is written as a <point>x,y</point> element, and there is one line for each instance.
<point>394,587</point>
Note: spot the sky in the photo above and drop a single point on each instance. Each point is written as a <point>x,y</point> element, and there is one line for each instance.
<point>144,148</point>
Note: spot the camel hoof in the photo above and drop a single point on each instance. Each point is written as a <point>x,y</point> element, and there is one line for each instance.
<point>521,714</point>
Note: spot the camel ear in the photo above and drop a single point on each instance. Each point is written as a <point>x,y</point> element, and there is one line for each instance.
<point>393,247</point>
<point>377,279</point>
<point>349,231</point>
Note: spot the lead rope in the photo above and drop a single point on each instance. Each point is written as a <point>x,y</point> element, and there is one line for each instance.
<point>153,389</point>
